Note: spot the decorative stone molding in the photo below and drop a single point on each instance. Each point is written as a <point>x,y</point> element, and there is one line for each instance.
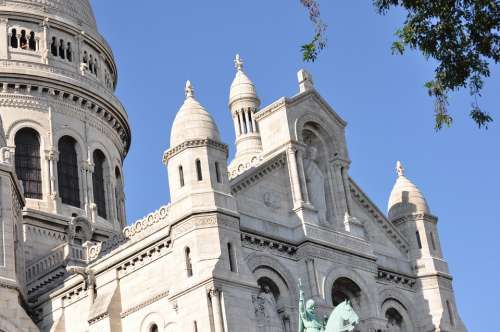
<point>144,257</point>
<point>142,226</point>
<point>98,318</point>
<point>242,165</point>
<point>250,178</point>
<point>265,244</point>
<point>193,144</point>
<point>144,304</point>
<point>397,278</point>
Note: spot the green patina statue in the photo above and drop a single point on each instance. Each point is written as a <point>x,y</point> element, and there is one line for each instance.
<point>342,319</point>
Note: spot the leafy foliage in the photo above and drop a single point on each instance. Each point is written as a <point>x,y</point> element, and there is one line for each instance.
<point>461,35</point>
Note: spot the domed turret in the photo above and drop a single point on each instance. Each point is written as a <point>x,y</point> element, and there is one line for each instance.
<point>192,121</point>
<point>242,87</point>
<point>405,198</point>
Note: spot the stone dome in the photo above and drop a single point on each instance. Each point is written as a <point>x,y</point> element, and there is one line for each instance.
<point>78,11</point>
<point>242,87</point>
<point>405,198</point>
<point>192,122</point>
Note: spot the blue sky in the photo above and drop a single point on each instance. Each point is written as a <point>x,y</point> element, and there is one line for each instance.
<point>160,44</point>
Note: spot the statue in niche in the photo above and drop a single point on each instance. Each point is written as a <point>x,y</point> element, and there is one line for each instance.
<point>315,180</point>
<point>266,310</point>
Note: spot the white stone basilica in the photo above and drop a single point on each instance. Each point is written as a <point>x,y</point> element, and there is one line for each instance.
<point>226,254</point>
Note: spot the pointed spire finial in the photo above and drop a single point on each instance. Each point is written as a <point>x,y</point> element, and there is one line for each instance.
<point>238,62</point>
<point>400,169</point>
<point>189,89</point>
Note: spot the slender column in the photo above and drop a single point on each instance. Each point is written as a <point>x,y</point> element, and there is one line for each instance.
<point>311,273</point>
<point>347,191</point>
<point>45,42</point>
<point>254,124</point>
<point>4,38</point>
<point>303,182</point>
<point>236,125</point>
<point>242,124</point>
<point>215,294</point>
<point>247,121</point>
<point>294,176</point>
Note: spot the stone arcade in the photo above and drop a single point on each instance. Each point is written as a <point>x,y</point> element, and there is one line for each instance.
<point>226,253</point>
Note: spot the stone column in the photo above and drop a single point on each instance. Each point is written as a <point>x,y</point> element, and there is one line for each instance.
<point>44,45</point>
<point>247,118</point>
<point>338,191</point>
<point>302,175</point>
<point>347,190</point>
<point>294,176</point>
<point>52,158</point>
<point>311,274</point>
<point>4,38</point>
<point>242,124</point>
<point>254,124</point>
<point>236,125</point>
<point>215,294</point>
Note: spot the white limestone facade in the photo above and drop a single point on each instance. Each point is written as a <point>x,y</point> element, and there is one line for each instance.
<point>227,252</point>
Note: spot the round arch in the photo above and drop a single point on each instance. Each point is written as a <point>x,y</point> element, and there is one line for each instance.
<point>367,295</point>
<point>396,299</point>
<point>151,319</point>
<point>80,146</point>
<point>21,124</point>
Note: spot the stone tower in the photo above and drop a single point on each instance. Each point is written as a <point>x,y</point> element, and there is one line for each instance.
<point>409,212</point>
<point>66,131</point>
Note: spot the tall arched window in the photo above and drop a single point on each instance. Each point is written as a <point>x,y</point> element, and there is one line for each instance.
<point>189,264</point>
<point>198,170</point>
<point>53,46</point>
<point>119,197</point>
<point>181,176</point>
<point>153,328</point>
<point>62,54</point>
<point>67,169</point>
<point>28,168</point>
<point>32,41</point>
<point>23,40</point>
<point>98,183</point>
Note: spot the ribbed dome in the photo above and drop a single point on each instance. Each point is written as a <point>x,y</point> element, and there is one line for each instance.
<point>192,122</point>
<point>405,198</point>
<point>74,10</point>
<point>242,86</point>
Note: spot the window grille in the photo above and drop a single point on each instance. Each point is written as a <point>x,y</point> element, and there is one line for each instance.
<point>67,169</point>
<point>27,161</point>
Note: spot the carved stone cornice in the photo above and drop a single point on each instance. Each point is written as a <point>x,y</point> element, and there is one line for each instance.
<point>261,243</point>
<point>396,278</point>
<point>141,226</point>
<point>270,109</point>
<point>415,217</point>
<point>193,144</point>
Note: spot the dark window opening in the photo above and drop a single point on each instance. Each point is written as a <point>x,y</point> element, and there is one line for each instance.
<point>13,39</point>
<point>69,52</point>
<point>198,170</point>
<point>23,40</point>
<point>154,328</point>
<point>27,159</point>
<point>67,169</point>
<point>85,57</point>
<point>433,241</point>
<point>98,183</point>
<point>32,41</point>
<point>181,176</point>
<point>61,49</point>
<point>53,46</point>
<point>189,265</point>
<point>419,241</point>
<point>217,173</point>
<point>232,258</point>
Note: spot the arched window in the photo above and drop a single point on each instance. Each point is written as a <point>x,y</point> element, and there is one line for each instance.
<point>189,264</point>
<point>345,289</point>
<point>394,320</point>
<point>85,57</point>
<point>53,46</point>
<point>91,63</point>
<point>23,40</point>
<point>61,49</point>
<point>67,169</point>
<point>32,41</point>
<point>13,39</point>
<point>198,170</point>
<point>153,328</point>
<point>232,257</point>
<point>27,161</point>
<point>95,66</point>
<point>98,183</point>
<point>119,198</point>
<point>419,241</point>
<point>217,173</point>
<point>181,176</point>
<point>69,52</point>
